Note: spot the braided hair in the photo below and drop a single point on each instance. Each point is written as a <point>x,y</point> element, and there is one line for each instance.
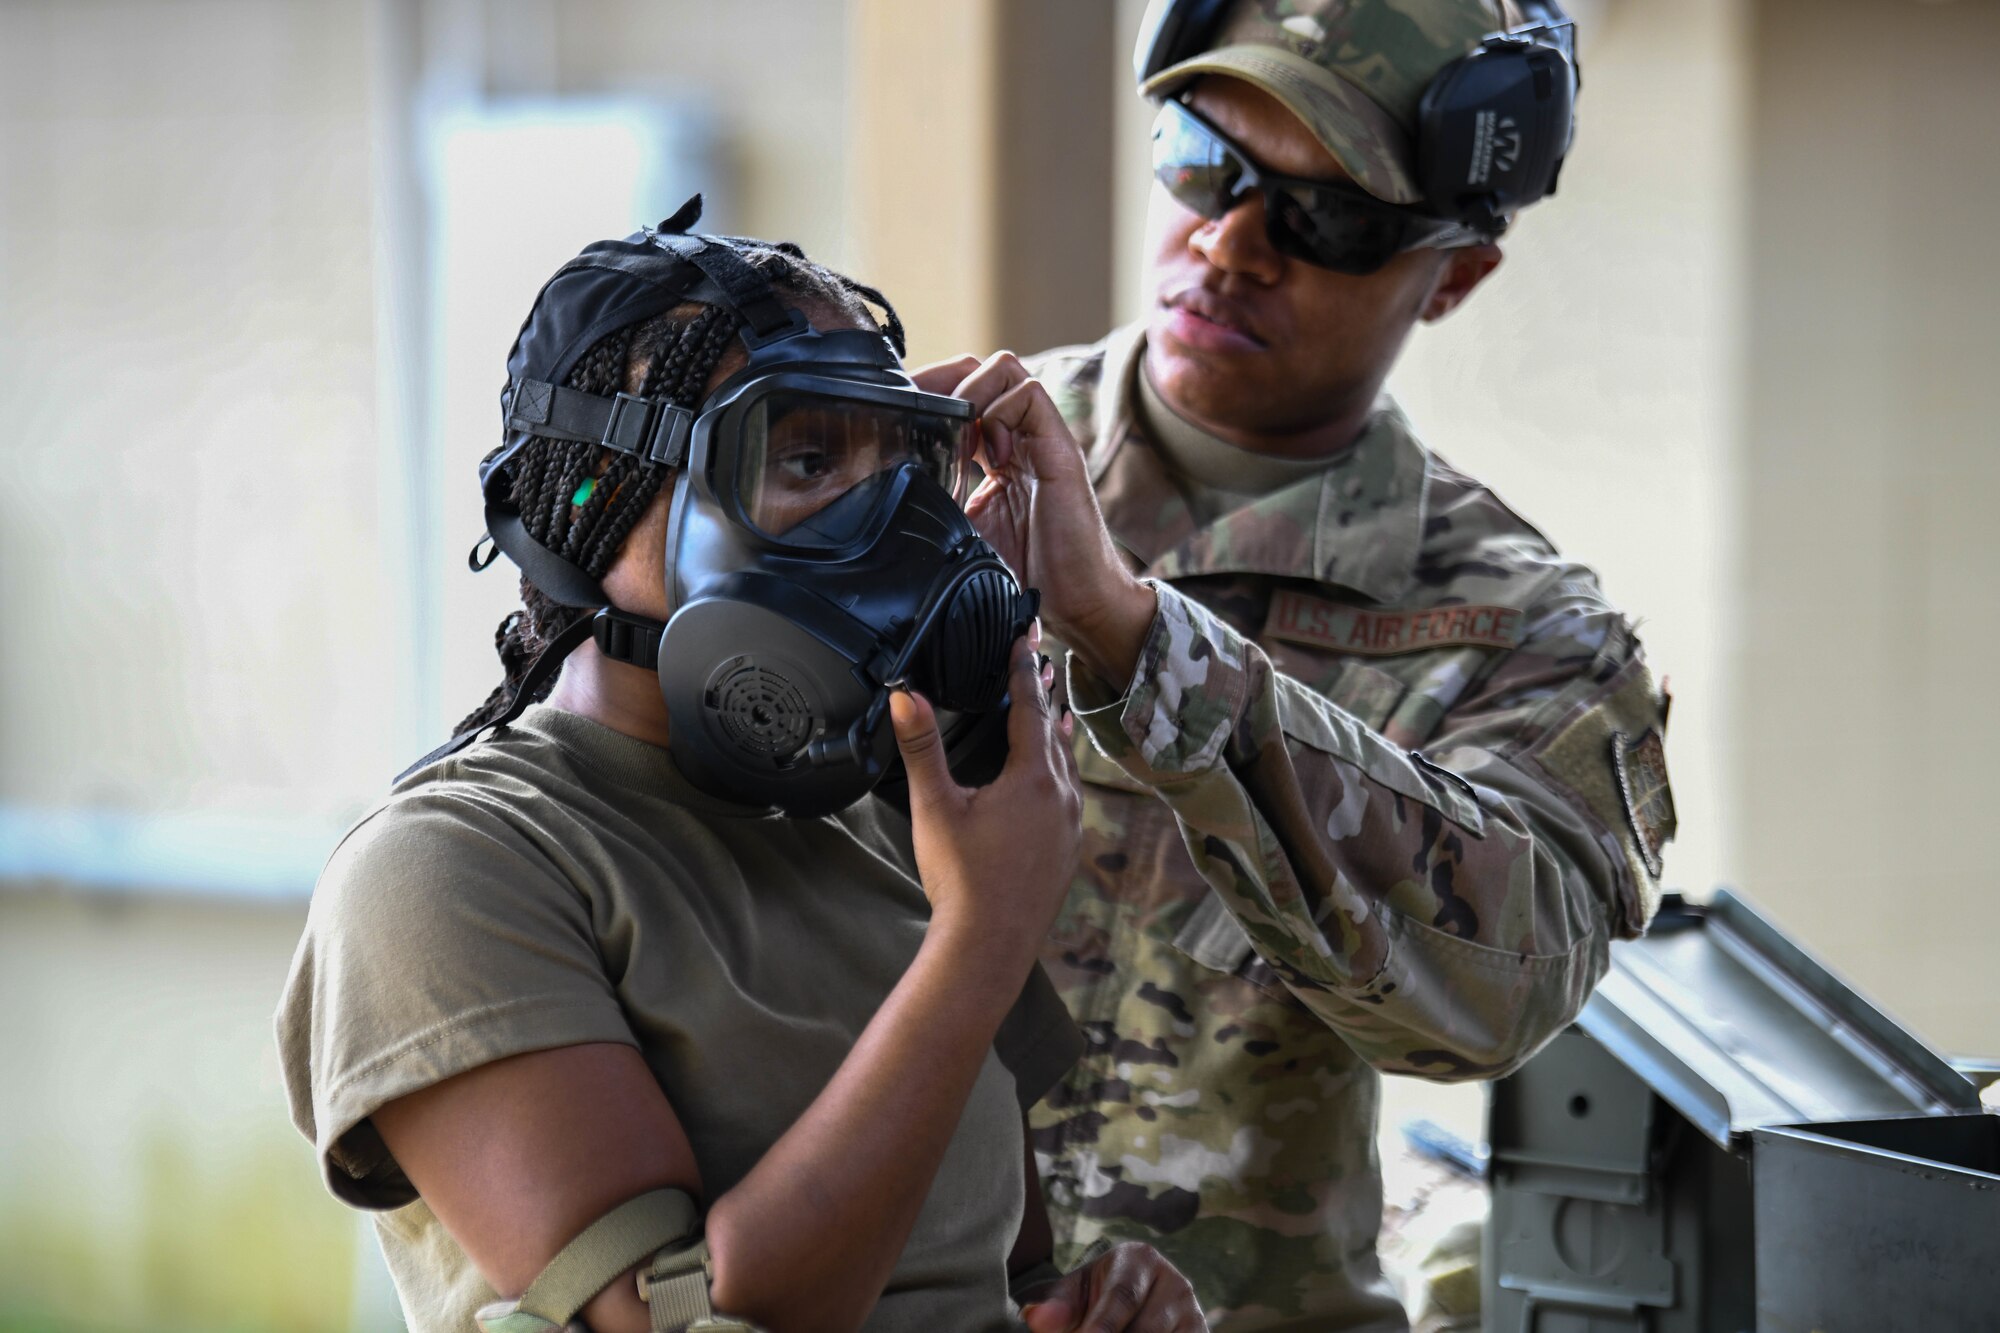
<point>581,501</point>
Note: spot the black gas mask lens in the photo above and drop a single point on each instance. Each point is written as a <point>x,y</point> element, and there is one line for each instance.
<point>802,451</point>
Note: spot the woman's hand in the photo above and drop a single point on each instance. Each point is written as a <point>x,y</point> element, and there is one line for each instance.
<point>996,860</point>
<point>1129,1287</point>
<point>1037,509</point>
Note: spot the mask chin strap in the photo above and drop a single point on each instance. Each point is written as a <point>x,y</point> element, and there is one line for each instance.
<point>539,671</point>
<point>624,637</point>
<point>563,582</point>
<point>620,635</point>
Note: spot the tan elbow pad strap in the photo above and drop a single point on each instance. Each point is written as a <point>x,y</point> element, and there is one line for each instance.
<point>675,1289</point>
<point>664,1224</point>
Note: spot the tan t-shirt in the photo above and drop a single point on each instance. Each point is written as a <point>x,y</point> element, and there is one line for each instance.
<point>1214,475</point>
<point>560,883</point>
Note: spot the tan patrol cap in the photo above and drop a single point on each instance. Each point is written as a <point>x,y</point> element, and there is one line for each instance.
<point>1352,70</point>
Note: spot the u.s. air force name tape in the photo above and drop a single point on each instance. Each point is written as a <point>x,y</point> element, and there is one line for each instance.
<point>1303,618</point>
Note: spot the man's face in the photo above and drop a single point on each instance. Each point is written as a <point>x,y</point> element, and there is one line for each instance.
<point>1258,346</point>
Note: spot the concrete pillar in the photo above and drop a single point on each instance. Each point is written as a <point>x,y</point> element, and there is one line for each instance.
<point>981,150</point>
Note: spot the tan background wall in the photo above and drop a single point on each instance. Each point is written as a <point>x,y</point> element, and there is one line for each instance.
<point>981,150</point>
<point>925,152</point>
<point>1870,563</point>
<point>188,356</point>
<point>148,1180</point>
<point>777,75</point>
<point>1740,364</point>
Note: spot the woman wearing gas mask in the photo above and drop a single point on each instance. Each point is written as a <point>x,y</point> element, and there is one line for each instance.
<point>642,1003</point>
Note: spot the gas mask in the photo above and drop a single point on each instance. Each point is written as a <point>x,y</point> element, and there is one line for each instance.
<point>818,555</point>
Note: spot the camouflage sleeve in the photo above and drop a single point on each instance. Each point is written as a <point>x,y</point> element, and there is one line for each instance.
<point>1446,911</point>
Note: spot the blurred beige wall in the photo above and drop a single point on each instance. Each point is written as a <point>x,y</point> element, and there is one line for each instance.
<point>924,154</point>
<point>982,148</point>
<point>193,544</point>
<point>1870,565</point>
<point>189,527</point>
<point>1593,381</point>
<point>1739,364</point>
<point>777,75</point>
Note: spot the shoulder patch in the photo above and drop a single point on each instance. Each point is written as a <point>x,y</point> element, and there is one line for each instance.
<point>1641,763</point>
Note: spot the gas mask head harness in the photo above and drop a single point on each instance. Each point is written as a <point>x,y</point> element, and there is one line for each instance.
<point>818,555</point>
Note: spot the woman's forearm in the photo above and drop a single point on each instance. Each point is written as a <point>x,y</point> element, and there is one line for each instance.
<point>808,1239</point>
<point>518,1156</point>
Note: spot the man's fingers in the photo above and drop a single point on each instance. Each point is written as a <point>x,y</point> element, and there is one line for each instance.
<point>993,377</point>
<point>942,377</point>
<point>923,749</point>
<point>987,451</point>
<point>1026,409</point>
<point>995,511</point>
<point>1126,1291</point>
<point>996,375</point>
<point>982,496</point>
<point>1023,430</point>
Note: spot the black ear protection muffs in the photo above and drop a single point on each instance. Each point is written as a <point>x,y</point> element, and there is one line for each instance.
<point>1495,124</point>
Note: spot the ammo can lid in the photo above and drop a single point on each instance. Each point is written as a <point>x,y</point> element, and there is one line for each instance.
<point>1738,1028</point>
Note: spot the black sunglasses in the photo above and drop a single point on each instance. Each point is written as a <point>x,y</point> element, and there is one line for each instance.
<point>1332,224</point>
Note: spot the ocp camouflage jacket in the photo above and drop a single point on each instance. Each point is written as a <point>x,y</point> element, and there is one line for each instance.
<point>1387,782</point>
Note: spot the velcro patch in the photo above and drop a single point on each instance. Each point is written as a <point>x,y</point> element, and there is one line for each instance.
<point>1302,618</point>
<point>1642,783</point>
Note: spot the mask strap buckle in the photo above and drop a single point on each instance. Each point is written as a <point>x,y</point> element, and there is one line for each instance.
<point>624,637</point>
<point>796,324</point>
<point>648,428</point>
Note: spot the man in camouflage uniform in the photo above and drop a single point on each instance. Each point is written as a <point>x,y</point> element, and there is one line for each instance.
<point>1386,776</point>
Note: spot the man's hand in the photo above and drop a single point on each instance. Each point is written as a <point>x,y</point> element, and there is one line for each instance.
<point>1130,1287</point>
<point>1037,510</point>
